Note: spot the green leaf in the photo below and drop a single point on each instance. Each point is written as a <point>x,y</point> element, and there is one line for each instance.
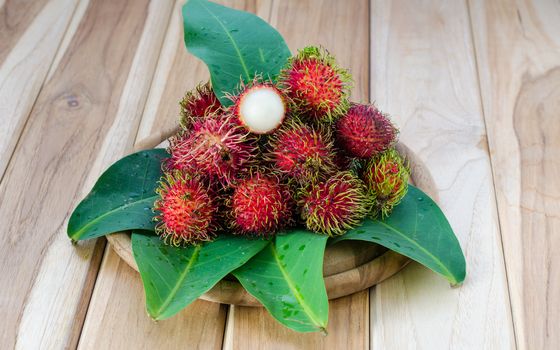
<point>122,198</point>
<point>174,277</point>
<point>418,229</point>
<point>287,278</point>
<point>234,45</point>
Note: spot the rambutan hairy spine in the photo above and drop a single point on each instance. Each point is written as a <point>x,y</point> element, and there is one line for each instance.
<point>186,210</point>
<point>315,83</point>
<point>335,205</point>
<point>386,177</point>
<point>215,147</point>
<point>300,151</point>
<point>198,104</point>
<point>365,132</point>
<point>260,205</point>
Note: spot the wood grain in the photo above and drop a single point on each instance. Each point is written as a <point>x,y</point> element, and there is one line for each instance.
<point>348,328</point>
<point>328,23</point>
<point>30,34</point>
<point>205,321</point>
<point>518,53</point>
<point>117,318</point>
<point>83,119</point>
<point>424,74</point>
<point>466,81</point>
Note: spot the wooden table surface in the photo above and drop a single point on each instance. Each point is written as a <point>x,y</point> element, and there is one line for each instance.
<point>474,86</point>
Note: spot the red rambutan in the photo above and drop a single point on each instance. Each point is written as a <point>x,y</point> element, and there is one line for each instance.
<point>364,131</point>
<point>386,177</point>
<point>198,103</point>
<point>186,210</point>
<point>336,205</point>
<point>261,205</point>
<point>215,147</point>
<point>318,87</point>
<point>301,151</point>
<point>260,107</point>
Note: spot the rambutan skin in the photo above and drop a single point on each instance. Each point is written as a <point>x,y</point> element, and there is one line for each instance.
<point>198,104</point>
<point>335,205</point>
<point>186,210</point>
<point>261,205</point>
<point>318,87</point>
<point>302,152</point>
<point>365,132</point>
<point>386,177</point>
<point>215,147</point>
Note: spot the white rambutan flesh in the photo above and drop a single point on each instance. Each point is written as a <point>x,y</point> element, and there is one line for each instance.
<point>261,109</point>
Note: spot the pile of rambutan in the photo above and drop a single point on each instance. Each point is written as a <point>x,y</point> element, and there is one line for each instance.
<point>285,153</point>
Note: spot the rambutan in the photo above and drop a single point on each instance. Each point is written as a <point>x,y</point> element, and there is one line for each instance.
<point>260,107</point>
<point>318,87</point>
<point>386,177</point>
<point>215,147</point>
<point>197,104</point>
<point>364,131</point>
<point>335,205</point>
<point>261,205</point>
<point>301,151</point>
<point>186,210</point>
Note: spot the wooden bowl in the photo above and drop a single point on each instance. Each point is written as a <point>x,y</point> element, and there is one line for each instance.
<point>349,266</point>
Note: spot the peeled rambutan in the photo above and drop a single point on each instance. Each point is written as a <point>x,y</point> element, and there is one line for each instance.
<point>260,107</point>
<point>364,131</point>
<point>215,147</point>
<point>335,205</point>
<point>198,103</point>
<point>318,87</point>
<point>386,177</point>
<point>186,210</point>
<point>301,151</point>
<point>260,205</point>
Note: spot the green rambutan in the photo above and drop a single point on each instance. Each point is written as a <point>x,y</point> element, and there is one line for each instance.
<point>335,205</point>
<point>364,131</point>
<point>197,104</point>
<point>301,151</point>
<point>186,210</point>
<point>260,205</point>
<point>215,147</point>
<point>260,106</point>
<point>318,87</point>
<point>386,177</point>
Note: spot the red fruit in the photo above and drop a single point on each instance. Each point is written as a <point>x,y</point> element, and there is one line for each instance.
<point>364,131</point>
<point>336,205</point>
<point>198,104</point>
<point>386,177</point>
<point>260,107</point>
<point>215,147</point>
<point>261,205</point>
<point>301,151</point>
<point>317,86</point>
<point>186,211</point>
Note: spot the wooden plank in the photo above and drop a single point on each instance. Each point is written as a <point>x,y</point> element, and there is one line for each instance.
<point>85,117</point>
<point>118,298</point>
<point>329,23</point>
<point>30,34</point>
<point>254,328</point>
<point>518,51</point>
<point>117,316</point>
<point>424,74</point>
